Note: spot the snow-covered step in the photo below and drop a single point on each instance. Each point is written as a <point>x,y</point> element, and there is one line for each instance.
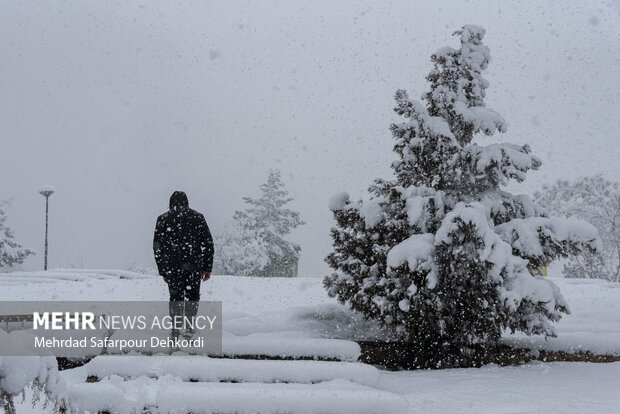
<point>168,394</point>
<point>203,369</point>
<point>274,345</point>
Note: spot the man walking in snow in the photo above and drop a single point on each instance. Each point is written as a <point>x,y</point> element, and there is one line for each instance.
<point>183,249</point>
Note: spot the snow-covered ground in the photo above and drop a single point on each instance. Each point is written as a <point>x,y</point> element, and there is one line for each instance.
<point>294,317</point>
<point>562,387</point>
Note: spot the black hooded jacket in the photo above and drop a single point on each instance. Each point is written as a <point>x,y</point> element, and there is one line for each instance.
<point>182,240</point>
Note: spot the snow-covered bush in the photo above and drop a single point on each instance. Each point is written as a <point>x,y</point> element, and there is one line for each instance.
<point>11,252</point>
<point>441,253</point>
<point>596,200</point>
<point>19,372</point>
<point>239,252</point>
<point>256,240</point>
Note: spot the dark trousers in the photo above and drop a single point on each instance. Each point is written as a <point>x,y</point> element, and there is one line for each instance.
<point>184,288</point>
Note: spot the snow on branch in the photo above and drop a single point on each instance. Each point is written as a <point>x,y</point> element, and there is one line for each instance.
<point>422,121</point>
<point>424,206</point>
<point>458,88</point>
<point>504,206</point>
<point>481,119</point>
<point>501,162</point>
<point>416,252</point>
<point>541,239</point>
<point>522,301</point>
<point>339,201</point>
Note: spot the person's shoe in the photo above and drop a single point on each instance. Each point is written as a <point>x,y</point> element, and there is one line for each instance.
<point>188,333</point>
<point>174,336</point>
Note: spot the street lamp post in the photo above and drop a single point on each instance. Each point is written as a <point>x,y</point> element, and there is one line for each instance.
<point>46,191</point>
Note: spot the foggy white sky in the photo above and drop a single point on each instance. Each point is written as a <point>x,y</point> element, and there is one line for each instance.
<point>119,103</point>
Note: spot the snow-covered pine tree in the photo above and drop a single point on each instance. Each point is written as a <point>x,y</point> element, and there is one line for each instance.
<point>11,252</point>
<point>441,253</point>
<point>596,200</point>
<point>264,224</point>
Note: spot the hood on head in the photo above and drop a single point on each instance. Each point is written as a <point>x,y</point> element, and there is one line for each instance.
<point>178,199</point>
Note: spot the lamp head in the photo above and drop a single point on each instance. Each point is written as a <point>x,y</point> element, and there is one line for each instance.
<point>47,190</point>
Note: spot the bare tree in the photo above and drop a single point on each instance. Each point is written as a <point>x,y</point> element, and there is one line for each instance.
<point>596,200</point>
